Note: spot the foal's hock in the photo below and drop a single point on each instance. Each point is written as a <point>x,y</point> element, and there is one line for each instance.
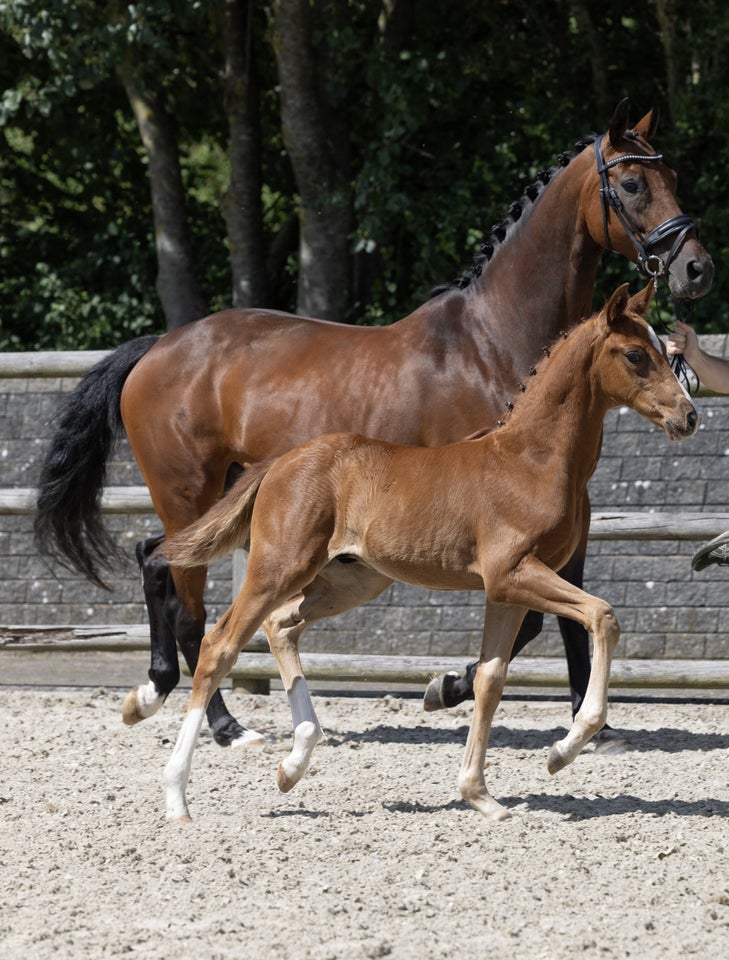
<point>500,513</point>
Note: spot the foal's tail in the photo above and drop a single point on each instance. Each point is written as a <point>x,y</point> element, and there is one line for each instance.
<point>224,527</point>
<point>68,523</point>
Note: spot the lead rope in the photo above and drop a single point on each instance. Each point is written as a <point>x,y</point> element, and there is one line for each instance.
<point>683,310</point>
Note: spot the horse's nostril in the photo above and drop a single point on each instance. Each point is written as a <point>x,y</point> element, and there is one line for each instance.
<point>692,419</point>
<point>699,273</point>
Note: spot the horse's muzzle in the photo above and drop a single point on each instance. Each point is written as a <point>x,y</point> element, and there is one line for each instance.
<point>681,427</point>
<point>691,279</point>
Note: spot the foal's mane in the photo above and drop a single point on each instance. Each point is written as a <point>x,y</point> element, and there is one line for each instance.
<point>518,209</point>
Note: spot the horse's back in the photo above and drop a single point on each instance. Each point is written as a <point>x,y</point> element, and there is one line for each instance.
<point>247,384</point>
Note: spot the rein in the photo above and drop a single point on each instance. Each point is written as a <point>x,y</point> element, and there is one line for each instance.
<point>649,264</point>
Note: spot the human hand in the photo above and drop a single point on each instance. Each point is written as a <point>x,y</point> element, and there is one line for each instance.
<point>683,340</point>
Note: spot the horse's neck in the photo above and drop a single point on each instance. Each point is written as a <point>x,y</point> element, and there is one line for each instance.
<point>541,278</point>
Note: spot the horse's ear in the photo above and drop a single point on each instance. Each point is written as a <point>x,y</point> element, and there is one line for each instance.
<point>649,124</point>
<point>619,122</point>
<point>617,303</point>
<point>641,301</point>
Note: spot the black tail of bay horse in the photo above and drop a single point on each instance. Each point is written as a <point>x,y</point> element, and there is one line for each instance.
<point>68,522</point>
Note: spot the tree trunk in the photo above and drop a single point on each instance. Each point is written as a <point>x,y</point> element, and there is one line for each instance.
<point>581,13</point>
<point>325,217</point>
<point>667,18</point>
<point>242,205</point>
<point>176,285</point>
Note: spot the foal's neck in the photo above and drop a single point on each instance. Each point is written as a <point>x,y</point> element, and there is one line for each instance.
<point>560,414</point>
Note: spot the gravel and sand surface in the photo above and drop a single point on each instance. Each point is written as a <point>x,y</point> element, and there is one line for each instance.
<point>373,854</point>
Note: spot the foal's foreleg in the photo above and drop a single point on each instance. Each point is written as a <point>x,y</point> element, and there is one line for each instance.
<point>501,624</point>
<point>543,589</point>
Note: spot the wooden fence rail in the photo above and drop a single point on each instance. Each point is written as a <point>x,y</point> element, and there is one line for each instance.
<point>607,525</point>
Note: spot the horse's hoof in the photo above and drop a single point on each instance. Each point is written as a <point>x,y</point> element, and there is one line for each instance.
<point>232,734</point>
<point>433,696</point>
<point>250,738</point>
<point>609,741</point>
<point>140,703</point>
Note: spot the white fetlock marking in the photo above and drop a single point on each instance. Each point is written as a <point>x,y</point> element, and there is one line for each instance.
<point>250,738</point>
<point>306,737</point>
<point>149,699</point>
<point>177,770</point>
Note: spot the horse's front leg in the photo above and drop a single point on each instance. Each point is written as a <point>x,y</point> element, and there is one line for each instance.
<point>501,624</point>
<point>450,689</point>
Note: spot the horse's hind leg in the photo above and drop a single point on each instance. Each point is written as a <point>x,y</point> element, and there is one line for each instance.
<point>170,624</point>
<point>164,671</point>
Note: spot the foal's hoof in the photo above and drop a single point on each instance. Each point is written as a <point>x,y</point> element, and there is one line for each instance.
<point>433,696</point>
<point>557,758</point>
<point>610,741</point>
<point>283,781</point>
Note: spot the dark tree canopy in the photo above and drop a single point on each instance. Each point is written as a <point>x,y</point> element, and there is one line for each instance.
<point>338,157</point>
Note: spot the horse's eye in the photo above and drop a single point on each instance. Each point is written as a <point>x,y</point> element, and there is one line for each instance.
<point>630,186</point>
<point>634,357</point>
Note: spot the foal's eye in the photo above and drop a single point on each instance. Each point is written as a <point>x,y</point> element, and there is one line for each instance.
<point>634,357</point>
<point>630,186</point>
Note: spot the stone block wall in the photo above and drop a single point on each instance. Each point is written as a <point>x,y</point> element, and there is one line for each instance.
<point>664,608</point>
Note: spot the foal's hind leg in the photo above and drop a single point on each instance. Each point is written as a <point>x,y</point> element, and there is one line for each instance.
<point>218,652</point>
<point>341,585</point>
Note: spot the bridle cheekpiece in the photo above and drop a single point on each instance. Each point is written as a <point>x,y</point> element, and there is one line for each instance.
<point>649,264</point>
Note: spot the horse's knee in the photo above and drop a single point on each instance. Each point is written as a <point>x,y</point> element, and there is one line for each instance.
<point>605,624</point>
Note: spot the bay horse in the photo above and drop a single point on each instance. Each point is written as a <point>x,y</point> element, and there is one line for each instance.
<point>500,514</point>
<point>219,395</point>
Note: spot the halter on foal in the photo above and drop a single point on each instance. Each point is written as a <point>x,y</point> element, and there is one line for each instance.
<point>243,386</point>
<point>501,513</point>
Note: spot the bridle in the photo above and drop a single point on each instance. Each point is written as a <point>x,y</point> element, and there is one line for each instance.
<point>649,264</point>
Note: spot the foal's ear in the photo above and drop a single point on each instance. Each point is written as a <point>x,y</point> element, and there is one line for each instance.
<point>649,124</point>
<point>641,301</point>
<point>619,122</point>
<point>616,305</point>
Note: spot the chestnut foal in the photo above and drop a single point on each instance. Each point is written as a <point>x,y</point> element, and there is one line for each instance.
<point>500,513</point>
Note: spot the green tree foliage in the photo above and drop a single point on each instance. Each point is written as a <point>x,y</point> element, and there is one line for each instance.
<point>438,117</point>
